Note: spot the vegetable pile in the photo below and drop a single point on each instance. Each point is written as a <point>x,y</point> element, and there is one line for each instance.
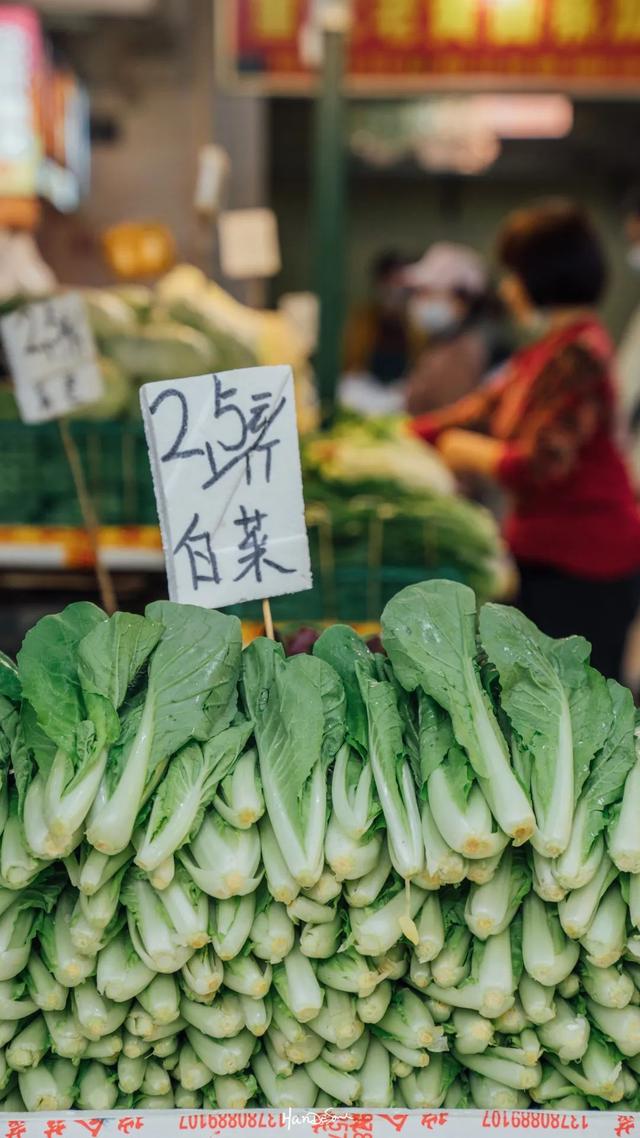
<point>390,497</point>
<point>228,878</point>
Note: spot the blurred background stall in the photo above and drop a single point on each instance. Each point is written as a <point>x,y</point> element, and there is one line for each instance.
<point>240,182</point>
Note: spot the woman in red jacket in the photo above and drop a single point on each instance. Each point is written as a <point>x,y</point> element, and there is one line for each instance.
<point>545,430</point>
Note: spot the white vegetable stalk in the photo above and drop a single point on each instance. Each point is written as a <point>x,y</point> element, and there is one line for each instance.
<point>308,911</point>
<point>545,883</point>
<point>203,973</point>
<point>90,1010</point>
<point>319,942</point>
<point>29,1046</point>
<point>97,1089</point>
<point>426,1089</point>
<point>452,965</point>
<point>305,857</point>
<point>490,908</point>
<point>191,1071</point>
<point>351,858</point>
<point>67,1037</point>
<point>487,1094</point>
<point>430,928</point>
<point>272,933</point>
<point>68,966</point>
<point>469,831</point>
<point>420,975</point>
<point>371,1008</point>
<point>578,864</point>
<point>599,1073</point>
<point>221,1020</point>
<point>473,1033</point>
<point>549,957</point>
<point>121,974</point>
<point>577,911</point>
<point>503,1071</point>
<point>131,1074</point>
<point>304,994</point>
<point>293,1091</point>
<point>326,888</point>
<point>513,1021</point>
<point>337,1022</point>
<point>623,838</point>
<point>605,939</point>
<point>352,793</point>
<point>248,977</point>
<point>341,1086</point>
<point>257,1014</point>
<point>18,866</point>
<point>359,894</point>
<point>567,1035</point>
<point>483,870</point>
<point>163,874</point>
<point>622,1025</point>
<point>153,936</point>
<point>188,912</point>
<point>223,861</point>
<point>44,989</point>
<point>99,868</point>
<point>281,883</point>
<point>553,826</point>
<point>239,800</point>
<point>227,1057</point>
<point>375,1077</point>
<point>537,1000</point>
<point>161,1000</point>
<point>377,929</point>
<point>442,864</point>
<point>113,813</point>
<point>232,1092</point>
<point>231,925</point>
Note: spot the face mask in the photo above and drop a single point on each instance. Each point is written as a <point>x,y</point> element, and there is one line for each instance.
<point>633,257</point>
<point>432,315</point>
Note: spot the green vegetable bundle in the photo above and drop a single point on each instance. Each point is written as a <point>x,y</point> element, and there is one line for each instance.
<point>231,879</point>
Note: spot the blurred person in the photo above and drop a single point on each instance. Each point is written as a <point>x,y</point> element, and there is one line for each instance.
<point>544,429</point>
<point>451,309</point>
<point>628,363</point>
<point>377,342</point>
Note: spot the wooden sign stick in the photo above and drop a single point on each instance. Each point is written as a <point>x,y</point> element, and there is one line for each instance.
<point>268,619</point>
<point>89,517</point>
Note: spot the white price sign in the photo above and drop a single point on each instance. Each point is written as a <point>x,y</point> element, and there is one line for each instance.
<point>226,469</point>
<point>52,358</point>
<point>330,1122</point>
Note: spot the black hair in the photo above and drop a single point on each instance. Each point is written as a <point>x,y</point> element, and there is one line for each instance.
<point>631,202</point>
<point>387,262</point>
<point>555,251</point>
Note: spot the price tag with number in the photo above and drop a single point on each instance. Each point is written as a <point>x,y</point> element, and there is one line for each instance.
<point>226,468</point>
<point>52,358</point>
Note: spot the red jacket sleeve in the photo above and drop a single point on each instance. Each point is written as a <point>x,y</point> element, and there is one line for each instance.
<point>473,411</point>
<point>571,404</point>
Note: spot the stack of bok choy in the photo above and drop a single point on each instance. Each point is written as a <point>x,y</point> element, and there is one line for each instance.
<point>229,879</point>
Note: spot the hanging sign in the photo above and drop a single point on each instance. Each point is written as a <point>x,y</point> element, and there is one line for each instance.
<point>52,358</point>
<point>226,469</point>
<point>402,45</point>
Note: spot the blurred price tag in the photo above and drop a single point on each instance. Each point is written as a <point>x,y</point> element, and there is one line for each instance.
<point>52,358</point>
<point>249,243</point>
<point>226,468</point>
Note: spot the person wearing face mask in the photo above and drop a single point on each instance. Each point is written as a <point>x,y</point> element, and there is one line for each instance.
<point>449,307</point>
<point>545,430</point>
<point>628,363</point>
<point>378,342</point>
